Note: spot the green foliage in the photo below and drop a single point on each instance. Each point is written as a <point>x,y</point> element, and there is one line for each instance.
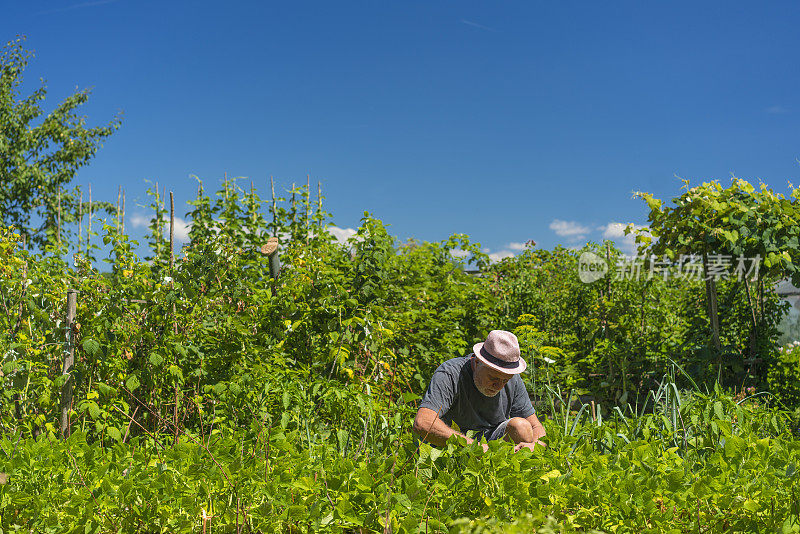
<point>738,221</point>
<point>208,394</point>
<point>40,156</point>
<point>784,374</point>
<point>750,235</point>
<point>696,462</point>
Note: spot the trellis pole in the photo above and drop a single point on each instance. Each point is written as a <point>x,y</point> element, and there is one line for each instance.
<point>274,208</point>
<point>174,320</point>
<point>122,219</point>
<point>89,224</point>
<point>69,363</point>
<point>80,222</point>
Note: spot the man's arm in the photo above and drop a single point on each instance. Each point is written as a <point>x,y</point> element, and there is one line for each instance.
<point>429,427</point>
<point>538,429</point>
<point>538,432</point>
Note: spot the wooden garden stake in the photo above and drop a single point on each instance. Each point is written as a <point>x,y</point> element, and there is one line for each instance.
<point>69,363</point>
<point>122,219</point>
<point>308,205</point>
<point>274,208</point>
<point>294,204</point>
<point>58,227</point>
<point>80,222</point>
<point>21,300</point>
<point>319,203</point>
<point>159,229</point>
<point>253,200</point>
<point>119,198</point>
<point>171,231</point>
<point>89,224</point>
<point>171,283</point>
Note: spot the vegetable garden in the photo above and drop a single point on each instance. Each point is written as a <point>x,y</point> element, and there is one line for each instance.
<point>208,395</point>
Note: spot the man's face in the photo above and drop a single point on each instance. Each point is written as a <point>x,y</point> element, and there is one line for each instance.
<point>488,381</point>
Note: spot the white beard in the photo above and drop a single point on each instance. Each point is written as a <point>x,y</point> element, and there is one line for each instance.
<point>485,393</point>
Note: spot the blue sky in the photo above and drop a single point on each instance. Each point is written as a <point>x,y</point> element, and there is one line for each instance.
<point>507,121</point>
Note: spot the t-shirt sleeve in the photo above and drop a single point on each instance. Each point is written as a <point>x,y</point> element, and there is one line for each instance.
<point>441,392</point>
<point>521,403</point>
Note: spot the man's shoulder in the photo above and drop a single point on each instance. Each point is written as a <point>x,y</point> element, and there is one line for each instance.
<point>453,365</point>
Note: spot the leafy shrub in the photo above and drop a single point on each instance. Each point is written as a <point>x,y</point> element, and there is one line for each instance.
<point>784,374</point>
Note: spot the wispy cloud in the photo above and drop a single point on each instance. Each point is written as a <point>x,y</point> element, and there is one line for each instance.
<point>776,110</point>
<point>476,25</point>
<point>139,221</point>
<point>81,5</point>
<point>516,246</point>
<point>572,230</point>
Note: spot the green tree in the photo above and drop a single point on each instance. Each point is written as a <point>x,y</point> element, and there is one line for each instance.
<point>737,224</point>
<point>39,155</point>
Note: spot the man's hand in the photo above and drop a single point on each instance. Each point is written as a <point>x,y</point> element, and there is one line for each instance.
<point>483,445</point>
<point>530,446</point>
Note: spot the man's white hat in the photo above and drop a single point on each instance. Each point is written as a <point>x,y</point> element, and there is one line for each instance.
<point>500,351</point>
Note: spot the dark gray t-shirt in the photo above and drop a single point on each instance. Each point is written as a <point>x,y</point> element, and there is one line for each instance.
<point>453,395</point>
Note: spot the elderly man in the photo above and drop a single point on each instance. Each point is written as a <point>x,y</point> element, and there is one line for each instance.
<point>482,392</point>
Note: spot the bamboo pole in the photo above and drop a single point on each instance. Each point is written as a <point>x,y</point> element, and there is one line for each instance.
<point>159,230</point>
<point>308,206</point>
<point>58,227</point>
<point>319,203</point>
<point>122,219</point>
<point>294,204</point>
<point>119,198</point>
<point>69,362</point>
<point>253,200</point>
<point>171,231</point>
<point>80,222</point>
<point>174,319</point>
<point>274,208</point>
<point>89,225</point>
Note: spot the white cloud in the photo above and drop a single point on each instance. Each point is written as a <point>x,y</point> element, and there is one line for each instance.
<point>341,234</point>
<point>181,226</point>
<point>516,246</point>
<point>139,221</point>
<point>569,229</point>
<point>615,231</point>
<point>458,253</point>
<point>494,257</point>
<point>181,229</point>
